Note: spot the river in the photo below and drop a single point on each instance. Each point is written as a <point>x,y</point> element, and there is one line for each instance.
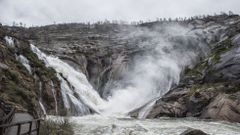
<point>101,125</point>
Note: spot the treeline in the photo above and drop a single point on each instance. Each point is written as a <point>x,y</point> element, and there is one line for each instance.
<point>120,22</point>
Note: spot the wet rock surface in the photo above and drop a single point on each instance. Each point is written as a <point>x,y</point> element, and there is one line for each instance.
<point>193,132</point>
<point>210,90</point>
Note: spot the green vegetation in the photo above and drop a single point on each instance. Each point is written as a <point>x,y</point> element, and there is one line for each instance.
<point>18,87</point>
<point>214,88</point>
<point>59,127</point>
<point>219,49</point>
<point>198,70</point>
<point>203,88</point>
<point>16,91</point>
<point>38,65</point>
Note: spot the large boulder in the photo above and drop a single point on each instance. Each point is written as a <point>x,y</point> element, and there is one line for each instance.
<point>172,105</point>
<point>224,107</point>
<point>192,131</point>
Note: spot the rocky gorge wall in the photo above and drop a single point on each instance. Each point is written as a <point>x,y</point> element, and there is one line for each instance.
<point>210,89</point>
<point>104,53</point>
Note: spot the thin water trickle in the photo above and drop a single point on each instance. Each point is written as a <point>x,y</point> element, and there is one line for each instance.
<point>43,108</point>
<point>54,96</point>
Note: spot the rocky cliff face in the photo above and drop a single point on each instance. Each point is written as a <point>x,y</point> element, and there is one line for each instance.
<point>26,82</point>
<point>106,52</point>
<point>210,90</point>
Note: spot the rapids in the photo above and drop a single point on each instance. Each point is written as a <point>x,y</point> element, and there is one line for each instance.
<point>100,125</point>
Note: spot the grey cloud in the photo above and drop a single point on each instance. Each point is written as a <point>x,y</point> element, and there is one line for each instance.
<point>41,12</point>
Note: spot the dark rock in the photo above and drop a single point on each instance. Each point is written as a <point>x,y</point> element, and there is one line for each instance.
<point>21,88</point>
<point>168,109</point>
<point>1,113</point>
<point>236,40</point>
<point>197,102</point>
<point>210,90</point>
<point>226,68</point>
<point>173,105</point>
<point>223,107</point>
<point>193,132</point>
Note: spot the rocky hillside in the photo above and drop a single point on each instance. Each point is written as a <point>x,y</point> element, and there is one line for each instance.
<point>210,89</point>
<point>25,80</point>
<point>106,52</point>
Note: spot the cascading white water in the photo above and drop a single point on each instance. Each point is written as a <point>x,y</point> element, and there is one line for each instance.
<point>146,109</point>
<point>72,83</point>
<point>101,125</point>
<point>10,41</point>
<point>40,99</point>
<point>156,71</point>
<point>152,76</point>
<point>43,108</point>
<point>25,62</point>
<point>54,96</point>
<point>69,99</point>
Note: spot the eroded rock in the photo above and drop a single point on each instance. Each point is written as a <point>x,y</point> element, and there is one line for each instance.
<point>192,131</point>
<point>223,107</point>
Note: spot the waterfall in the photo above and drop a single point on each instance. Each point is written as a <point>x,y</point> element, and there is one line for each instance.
<point>152,75</point>
<point>25,62</point>
<point>43,108</point>
<point>40,99</point>
<point>145,110</point>
<point>54,96</point>
<point>75,88</point>
<point>9,41</point>
<point>154,72</point>
<point>69,99</point>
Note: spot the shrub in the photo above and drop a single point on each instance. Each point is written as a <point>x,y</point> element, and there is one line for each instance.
<point>56,127</point>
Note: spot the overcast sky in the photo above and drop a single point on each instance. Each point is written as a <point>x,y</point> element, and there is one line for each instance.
<point>41,12</point>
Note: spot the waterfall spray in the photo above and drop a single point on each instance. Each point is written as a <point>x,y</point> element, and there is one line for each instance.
<point>76,90</point>
<point>152,75</point>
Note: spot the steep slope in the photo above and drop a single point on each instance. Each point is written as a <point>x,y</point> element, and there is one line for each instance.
<point>26,82</point>
<point>209,90</point>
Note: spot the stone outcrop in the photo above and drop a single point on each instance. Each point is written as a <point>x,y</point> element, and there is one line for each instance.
<point>193,132</point>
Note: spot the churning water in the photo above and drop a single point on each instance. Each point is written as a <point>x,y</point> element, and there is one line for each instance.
<point>152,75</point>
<point>100,125</point>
